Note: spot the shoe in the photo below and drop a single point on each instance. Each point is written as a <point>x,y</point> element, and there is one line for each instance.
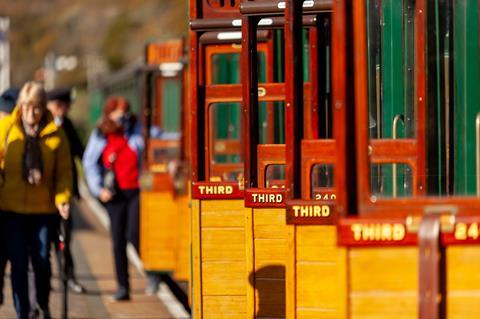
<point>152,284</point>
<point>34,314</point>
<point>76,287</point>
<point>121,295</point>
<point>45,314</point>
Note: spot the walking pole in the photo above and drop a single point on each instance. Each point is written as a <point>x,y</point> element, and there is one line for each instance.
<point>63,270</point>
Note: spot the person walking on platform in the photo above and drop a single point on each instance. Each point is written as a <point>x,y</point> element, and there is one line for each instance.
<point>59,102</point>
<point>111,163</point>
<point>8,100</point>
<point>36,186</point>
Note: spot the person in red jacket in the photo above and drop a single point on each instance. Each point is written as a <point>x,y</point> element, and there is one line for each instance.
<point>111,163</point>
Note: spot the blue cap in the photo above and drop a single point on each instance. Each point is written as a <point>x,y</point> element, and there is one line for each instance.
<point>8,100</point>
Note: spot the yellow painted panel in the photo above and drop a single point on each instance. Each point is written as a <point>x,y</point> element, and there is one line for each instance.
<point>223,258</point>
<point>270,223</point>
<point>159,235</point>
<point>382,305</point>
<point>320,279</point>
<point>224,307</point>
<point>223,244</point>
<point>196,280</point>
<point>318,314</point>
<point>224,278</point>
<point>395,269</point>
<point>222,219</point>
<point>463,264</point>
<point>182,266</point>
<point>223,213</point>
<point>463,306</point>
<point>318,236</point>
<point>317,254</point>
<point>316,244</point>
<point>160,255</point>
<point>249,263</point>
<point>271,249</point>
<point>317,285</point>
<point>270,298</point>
<point>463,282</point>
<point>158,219</point>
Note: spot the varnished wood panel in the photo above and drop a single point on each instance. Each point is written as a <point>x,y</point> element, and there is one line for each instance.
<point>222,218</point>
<point>270,223</point>
<point>224,307</point>
<point>395,269</point>
<point>317,244</point>
<point>270,250</point>
<point>224,278</point>
<point>463,264</point>
<point>182,267</point>
<point>223,244</point>
<point>317,274</point>
<point>383,305</point>
<point>158,220</point>
<point>316,285</point>
<point>224,275</point>
<point>463,282</point>
<point>383,282</point>
<point>305,313</point>
<point>463,305</point>
<point>196,282</point>
<point>270,256</point>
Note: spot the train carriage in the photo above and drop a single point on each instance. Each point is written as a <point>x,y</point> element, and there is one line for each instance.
<point>265,154</point>
<point>261,266</point>
<point>164,224</point>
<point>334,148</point>
<point>394,225</point>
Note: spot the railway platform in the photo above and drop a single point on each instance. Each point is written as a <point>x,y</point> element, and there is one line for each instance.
<point>91,247</point>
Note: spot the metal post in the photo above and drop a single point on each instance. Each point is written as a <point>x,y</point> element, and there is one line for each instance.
<point>4,54</point>
<point>477,153</point>
<point>432,294</point>
<point>49,69</point>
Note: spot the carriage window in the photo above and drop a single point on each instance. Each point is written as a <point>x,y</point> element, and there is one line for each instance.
<point>325,127</point>
<point>165,100</point>
<point>459,77</point>
<point>271,117</point>
<point>321,181</point>
<point>450,124</point>
<point>171,99</point>
<point>226,162</point>
<point>275,176</point>
<point>391,69</point>
<point>226,68</point>
<point>393,119</point>
<point>392,180</point>
<point>163,151</point>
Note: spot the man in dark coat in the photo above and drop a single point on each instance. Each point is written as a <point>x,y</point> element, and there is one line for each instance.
<point>8,101</point>
<point>59,101</point>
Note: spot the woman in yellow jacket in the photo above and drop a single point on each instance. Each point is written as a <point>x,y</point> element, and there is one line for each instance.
<point>36,185</point>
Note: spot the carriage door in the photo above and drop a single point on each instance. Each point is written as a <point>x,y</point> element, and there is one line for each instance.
<point>163,100</point>
<point>220,276</point>
<point>264,116</point>
<point>431,205</point>
<point>316,267</point>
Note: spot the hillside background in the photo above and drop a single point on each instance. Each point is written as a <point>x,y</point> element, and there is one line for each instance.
<point>104,35</point>
<point>113,31</point>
